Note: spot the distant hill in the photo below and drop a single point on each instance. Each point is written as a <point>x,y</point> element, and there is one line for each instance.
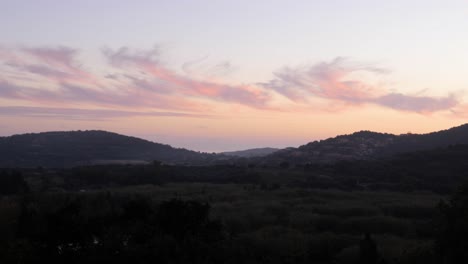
<point>65,149</point>
<point>441,170</point>
<point>250,153</point>
<point>366,145</point>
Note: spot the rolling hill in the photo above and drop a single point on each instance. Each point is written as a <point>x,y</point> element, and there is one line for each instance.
<point>65,149</point>
<point>367,145</point>
<point>250,153</point>
<point>72,148</point>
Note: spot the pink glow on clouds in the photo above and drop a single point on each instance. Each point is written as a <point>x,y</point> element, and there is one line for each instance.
<point>145,62</point>
<point>57,65</point>
<point>141,81</point>
<point>85,114</point>
<point>334,81</point>
<point>58,57</point>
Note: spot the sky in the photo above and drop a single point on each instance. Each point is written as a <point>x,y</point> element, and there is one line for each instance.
<point>229,75</point>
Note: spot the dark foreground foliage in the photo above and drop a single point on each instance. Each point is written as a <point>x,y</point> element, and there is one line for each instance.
<point>127,231</point>
<point>452,242</point>
<point>240,213</point>
<point>440,171</point>
<point>251,226</point>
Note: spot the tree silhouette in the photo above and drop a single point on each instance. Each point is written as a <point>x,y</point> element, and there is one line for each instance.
<point>12,183</point>
<point>368,250</point>
<point>452,242</point>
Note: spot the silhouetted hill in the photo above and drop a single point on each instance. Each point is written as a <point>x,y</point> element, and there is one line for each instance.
<point>365,145</point>
<point>249,153</point>
<point>416,142</point>
<point>64,149</point>
<point>440,170</point>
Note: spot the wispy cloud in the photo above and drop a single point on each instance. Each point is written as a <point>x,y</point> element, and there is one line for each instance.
<point>325,80</point>
<point>60,56</point>
<point>200,67</point>
<point>337,81</point>
<point>85,114</point>
<point>143,82</point>
<point>60,79</point>
<point>70,94</point>
<point>58,64</point>
<point>168,81</point>
<point>422,104</point>
<point>138,83</point>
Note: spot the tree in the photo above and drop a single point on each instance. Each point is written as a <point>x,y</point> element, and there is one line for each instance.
<point>12,183</point>
<point>368,250</point>
<point>452,241</point>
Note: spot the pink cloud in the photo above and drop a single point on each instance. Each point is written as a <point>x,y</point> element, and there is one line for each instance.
<point>57,64</point>
<point>325,80</point>
<point>86,114</point>
<point>421,104</point>
<point>200,67</point>
<point>63,57</point>
<point>171,82</point>
<point>334,81</point>
<point>69,94</point>
<point>460,111</point>
<point>140,81</point>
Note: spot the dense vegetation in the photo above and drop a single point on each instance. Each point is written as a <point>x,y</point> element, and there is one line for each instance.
<point>239,214</point>
<point>439,171</point>
<point>404,208</point>
<point>215,223</point>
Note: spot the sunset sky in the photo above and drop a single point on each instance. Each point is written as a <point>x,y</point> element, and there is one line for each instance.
<point>229,75</point>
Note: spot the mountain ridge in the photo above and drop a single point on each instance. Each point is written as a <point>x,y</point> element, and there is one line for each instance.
<point>364,145</point>
<point>249,153</point>
<point>89,147</point>
<point>71,148</point>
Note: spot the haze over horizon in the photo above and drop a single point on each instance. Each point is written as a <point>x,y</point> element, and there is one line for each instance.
<point>222,76</point>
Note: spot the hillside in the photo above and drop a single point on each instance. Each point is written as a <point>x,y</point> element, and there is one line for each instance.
<point>367,145</point>
<point>249,153</point>
<point>64,149</point>
<point>441,170</point>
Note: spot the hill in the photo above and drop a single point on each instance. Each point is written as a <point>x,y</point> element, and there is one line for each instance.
<point>65,149</point>
<point>367,145</point>
<point>249,153</point>
<point>441,170</point>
